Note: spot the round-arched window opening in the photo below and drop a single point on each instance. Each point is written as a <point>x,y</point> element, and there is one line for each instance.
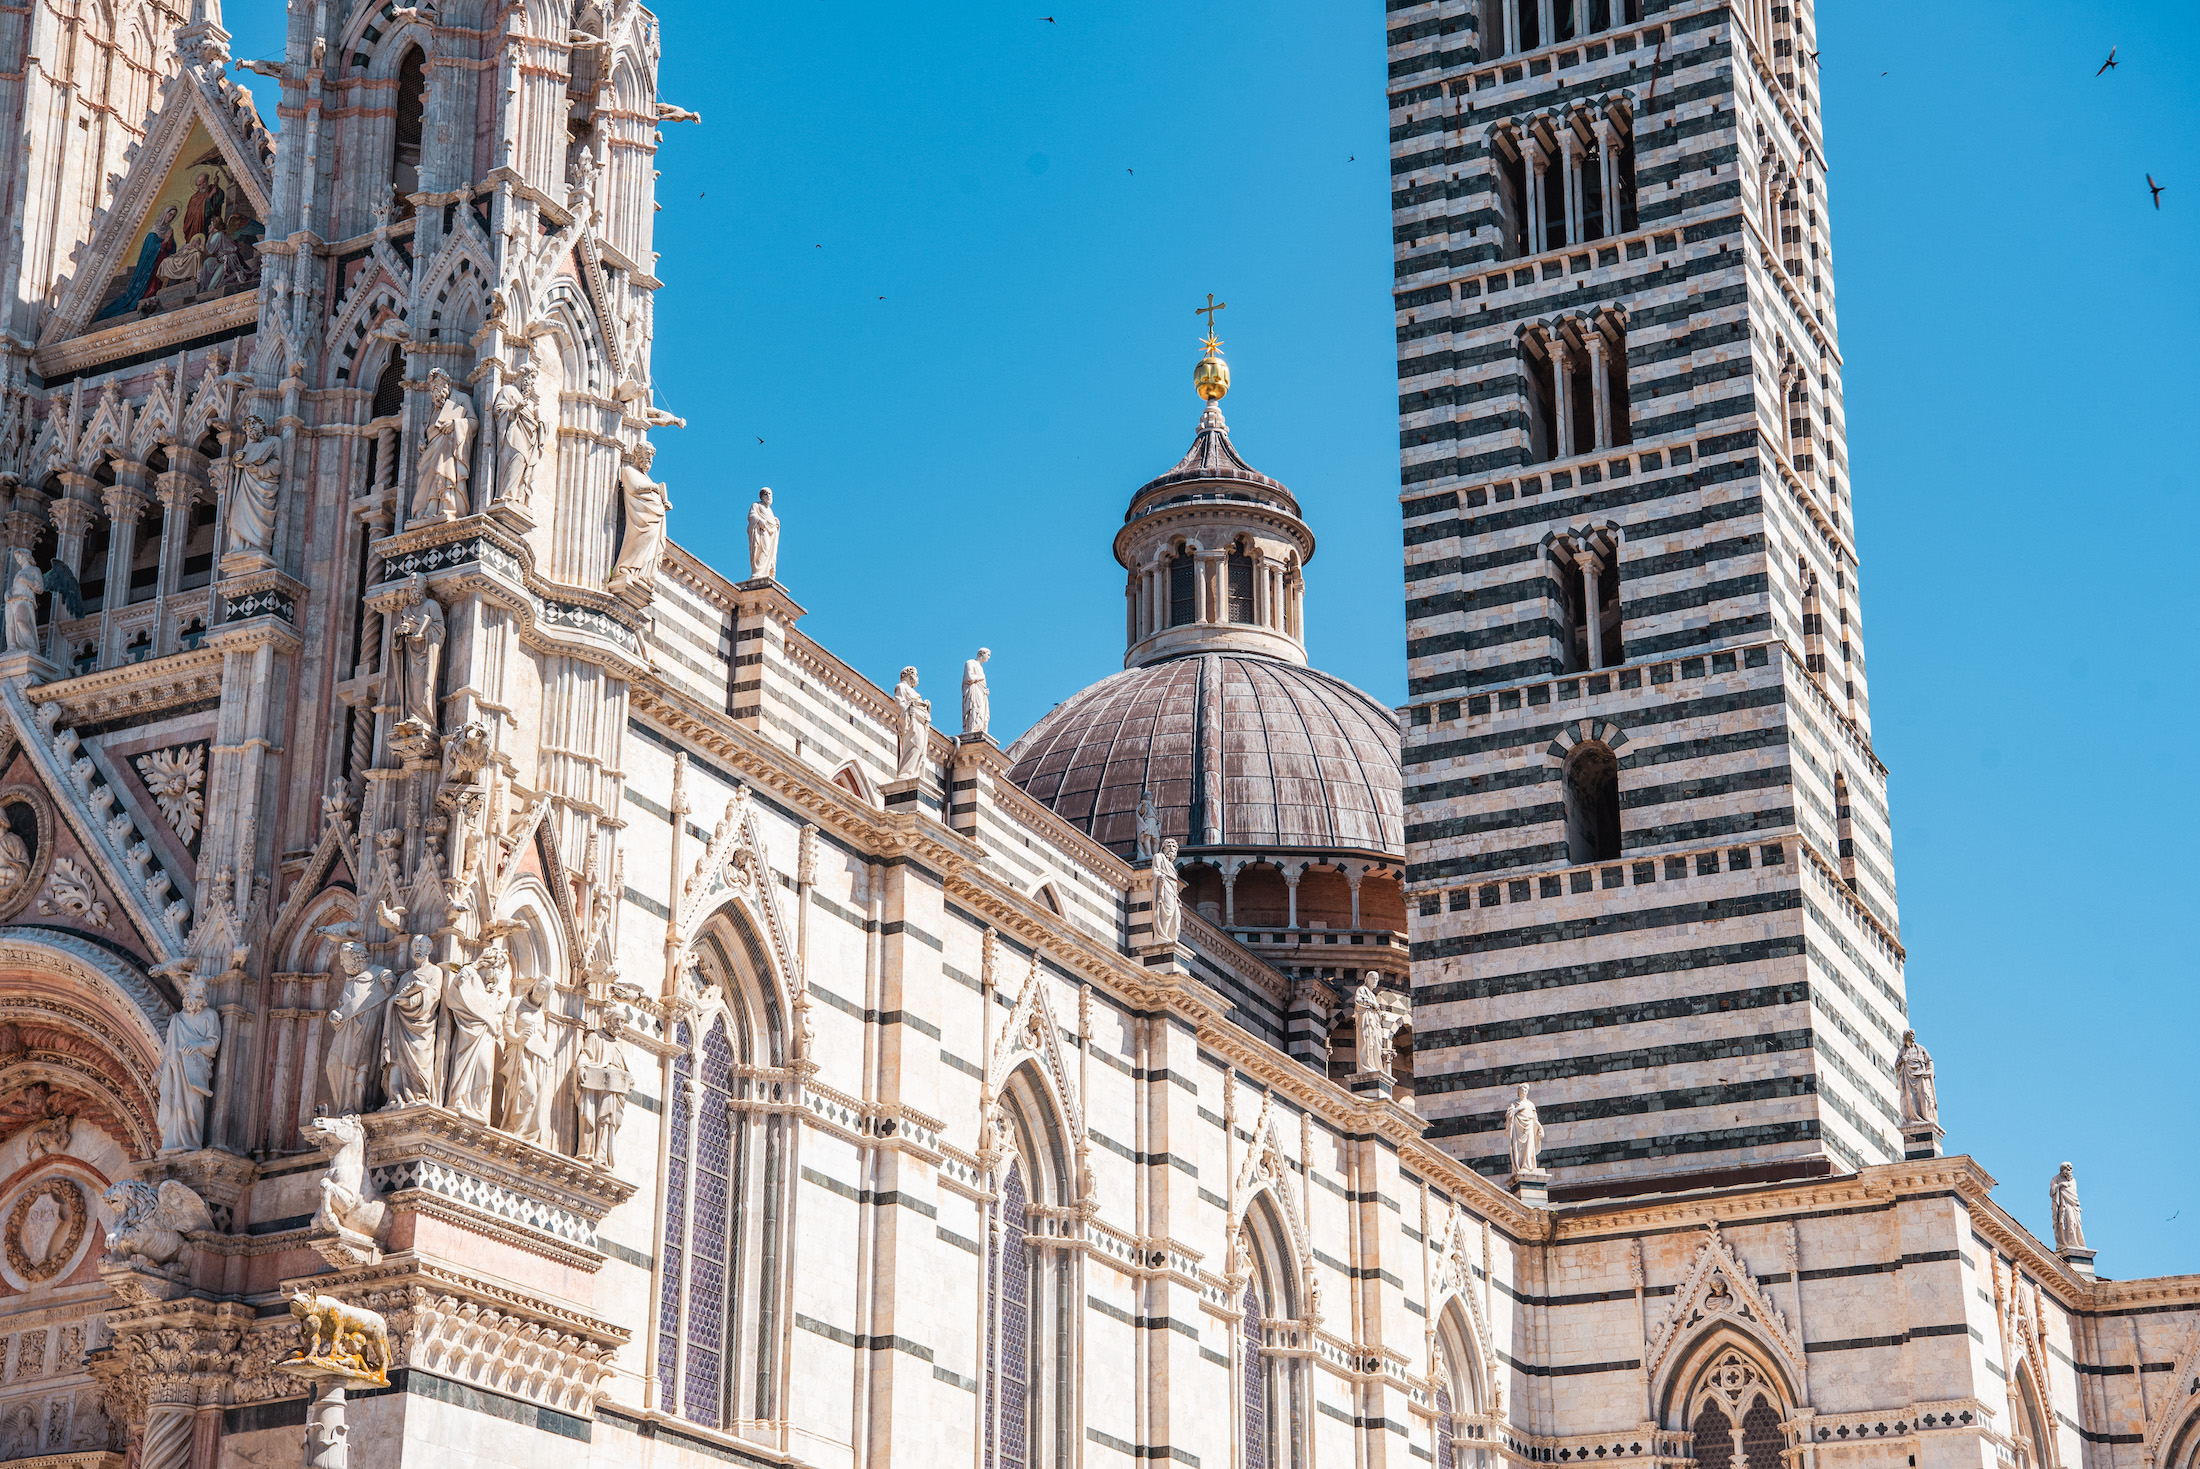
<point>1592,804</point>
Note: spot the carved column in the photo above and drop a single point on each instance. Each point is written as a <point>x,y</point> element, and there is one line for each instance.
<point>25,518</point>
<point>1600,387</point>
<point>1562,398</point>
<point>1291,878</point>
<point>181,485</point>
<point>1608,172</point>
<point>1569,143</point>
<point>1199,585</point>
<point>1592,614</point>
<point>1533,156</point>
<point>125,506</point>
<point>72,513</point>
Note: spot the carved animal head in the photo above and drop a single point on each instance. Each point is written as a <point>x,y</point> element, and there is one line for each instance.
<point>337,1134</point>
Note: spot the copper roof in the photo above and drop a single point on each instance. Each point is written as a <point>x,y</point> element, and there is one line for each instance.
<point>1240,752</point>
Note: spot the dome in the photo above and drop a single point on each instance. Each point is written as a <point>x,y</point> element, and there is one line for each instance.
<point>1240,752</point>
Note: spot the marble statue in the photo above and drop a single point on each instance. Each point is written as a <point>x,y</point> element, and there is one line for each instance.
<point>530,1084</point>
<point>15,858</point>
<point>348,1202</point>
<point>519,436</point>
<point>259,467</point>
<point>446,451</point>
<point>336,1338</point>
<point>409,1072</point>
<point>1168,895</point>
<point>2062,1200</point>
<point>150,1223</point>
<point>603,1082</point>
<point>476,1000</point>
<point>763,538</point>
<point>977,703</point>
<point>1376,1021</point>
<point>635,574</point>
<point>355,1028</point>
<point>1913,1066</point>
<point>187,1070</point>
<point>1524,1131</point>
<point>1149,825</point>
<point>912,726</point>
<point>419,639</point>
<point>21,614</point>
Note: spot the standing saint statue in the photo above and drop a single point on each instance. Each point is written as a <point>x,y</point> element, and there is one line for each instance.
<point>21,614</point>
<point>530,1087</point>
<point>635,576</point>
<point>187,1070</point>
<point>519,436</point>
<point>476,1000</point>
<point>763,538</point>
<point>259,466</point>
<point>977,702</point>
<point>1375,1021</point>
<point>1913,1069</point>
<point>1524,1131</point>
<point>2062,1200</point>
<point>603,1082</point>
<point>1148,825</point>
<point>446,451</point>
<point>355,1029</point>
<point>409,1071</point>
<point>419,637</point>
<point>1168,895</point>
<point>912,726</point>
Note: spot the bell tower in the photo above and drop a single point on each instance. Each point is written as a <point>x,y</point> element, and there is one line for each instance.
<point>1650,871</point>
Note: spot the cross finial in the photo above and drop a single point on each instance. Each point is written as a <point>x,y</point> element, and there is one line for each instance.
<point>1209,341</point>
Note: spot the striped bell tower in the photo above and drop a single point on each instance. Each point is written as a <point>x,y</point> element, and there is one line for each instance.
<point>1650,872</point>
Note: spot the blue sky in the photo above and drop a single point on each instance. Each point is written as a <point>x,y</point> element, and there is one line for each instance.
<point>942,260</point>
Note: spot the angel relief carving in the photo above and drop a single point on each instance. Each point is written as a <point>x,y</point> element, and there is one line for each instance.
<point>175,778</point>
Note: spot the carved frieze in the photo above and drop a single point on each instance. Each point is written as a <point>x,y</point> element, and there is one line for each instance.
<point>430,1159</point>
<point>45,1228</point>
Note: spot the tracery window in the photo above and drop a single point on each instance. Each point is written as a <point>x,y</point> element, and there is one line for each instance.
<point>717,1318</point>
<point>1735,1420</point>
<point>1270,1409</point>
<point>411,110</point>
<point>1029,1321</point>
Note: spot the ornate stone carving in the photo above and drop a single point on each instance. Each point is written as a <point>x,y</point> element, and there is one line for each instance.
<point>44,1229</point>
<point>1376,1020</point>
<point>912,726</point>
<point>21,608</point>
<point>1524,1132</point>
<point>1720,1285</point>
<point>355,1027</point>
<point>1913,1067</point>
<point>72,892</point>
<point>339,1340</point>
<point>530,1086</point>
<point>187,1070</point>
<point>350,1211</point>
<point>476,999</point>
<point>151,1223</point>
<point>446,451</point>
<point>1168,897</point>
<point>635,575</point>
<point>258,468</point>
<point>763,538</point>
<point>175,778</point>
<point>602,1082</point>
<point>410,1060</point>
<point>2062,1202</point>
<point>418,645</point>
<point>1149,825</point>
<point>519,437</point>
<point>977,699</point>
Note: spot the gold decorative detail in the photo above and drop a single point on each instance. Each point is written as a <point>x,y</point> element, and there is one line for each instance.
<point>1211,377</point>
<point>338,1340</point>
<point>41,1240</point>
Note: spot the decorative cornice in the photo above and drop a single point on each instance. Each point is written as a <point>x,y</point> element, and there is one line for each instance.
<point>135,690</point>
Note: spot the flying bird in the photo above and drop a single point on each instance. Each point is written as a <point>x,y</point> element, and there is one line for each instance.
<point>760,441</point>
<point>1132,171</point>
<point>1050,20</point>
<point>2157,189</point>
<point>2108,63</point>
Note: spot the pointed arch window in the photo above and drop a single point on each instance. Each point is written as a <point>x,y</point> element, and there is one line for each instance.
<point>1029,1321</point>
<point>1259,1412</point>
<point>412,110</point>
<point>718,1318</point>
<point>1737,1417</point>
<point>1271,1410</point>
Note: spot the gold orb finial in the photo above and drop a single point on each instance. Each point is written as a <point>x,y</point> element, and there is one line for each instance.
<point>1211,377</point>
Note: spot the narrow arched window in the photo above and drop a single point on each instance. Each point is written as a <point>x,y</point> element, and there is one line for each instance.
<point>1761,1436</point>
<point>1259,1408</point>
<point>1241,587</point>
<point>1592,804</point>
<point>411,109</point>
<point>1008,1349</point>
<point>1183,589</point>
<point>1844,828</point>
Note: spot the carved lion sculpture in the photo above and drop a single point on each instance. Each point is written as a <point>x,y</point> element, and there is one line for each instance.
<point>150,1223</point>
<point>347,1198</point>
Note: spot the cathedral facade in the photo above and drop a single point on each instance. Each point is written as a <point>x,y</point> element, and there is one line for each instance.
<point>480,986</point>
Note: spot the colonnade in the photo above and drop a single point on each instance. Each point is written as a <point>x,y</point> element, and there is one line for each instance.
<point>1279,592</point>
<point>1608,428</point>
<point>1566,155</point>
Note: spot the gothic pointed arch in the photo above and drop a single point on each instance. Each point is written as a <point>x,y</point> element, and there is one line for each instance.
<point>1031,1038</point>
<point>2173,1432</point>
<point>204,156</point>
<point>1261,1187</point>
<point>1454,1300</point>
<point>86,1023</point>
<point>735,873</point>
<point>1720,1306</point>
